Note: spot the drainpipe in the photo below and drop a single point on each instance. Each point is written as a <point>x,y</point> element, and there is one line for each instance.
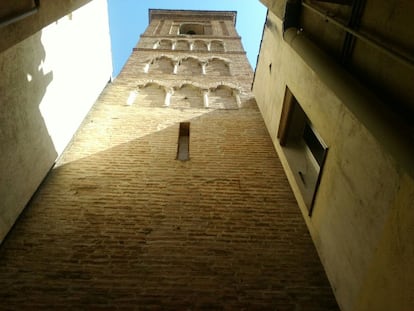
<point>393,54</point>
<point>292,17</point>
<point>382,124</point>
<point>20,16</point>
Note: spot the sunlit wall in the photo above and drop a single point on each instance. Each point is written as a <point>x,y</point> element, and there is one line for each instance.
<point>49,82</point>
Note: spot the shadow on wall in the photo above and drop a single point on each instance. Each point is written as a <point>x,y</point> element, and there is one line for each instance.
<point>17,31</point>
<point>121,210</point>
<point>27,150</point>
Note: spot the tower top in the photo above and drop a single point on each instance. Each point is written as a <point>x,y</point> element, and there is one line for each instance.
<point>191,14</point>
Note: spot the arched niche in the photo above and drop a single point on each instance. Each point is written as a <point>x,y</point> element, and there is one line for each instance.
<point>199,45</point>
<point>217,67</point>
<point>161,64</point>
<point>151,95</point>
<point>189,66</point>
<point>165,44</point>
<point>187,96</point>
<point>183,45</point>
<point>223,97</point>
<point>216,46</point>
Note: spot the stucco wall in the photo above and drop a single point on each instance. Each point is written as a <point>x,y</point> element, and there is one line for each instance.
<point>362,221</point>
<point>48,12</point>
<point>49,82</point>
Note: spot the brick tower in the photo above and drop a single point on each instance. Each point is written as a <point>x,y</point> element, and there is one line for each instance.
<point>171,196</point>
<point>190,63</point>
<point>188,60</point>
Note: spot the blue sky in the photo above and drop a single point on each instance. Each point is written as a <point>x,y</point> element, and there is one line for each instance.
<point>129,18</point>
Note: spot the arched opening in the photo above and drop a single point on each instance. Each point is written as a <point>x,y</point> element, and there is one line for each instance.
<point>191,29</point>
<point>165,44</point>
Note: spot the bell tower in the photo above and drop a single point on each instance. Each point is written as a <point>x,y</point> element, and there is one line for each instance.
<point>195,57</point>
<point>171,195</point>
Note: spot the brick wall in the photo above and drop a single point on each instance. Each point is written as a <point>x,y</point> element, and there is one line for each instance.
<point>121,223</point>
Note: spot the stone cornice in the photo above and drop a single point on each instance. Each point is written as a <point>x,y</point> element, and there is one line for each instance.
<point>192,14</point>
<point>186,51</point>
<point>191,37</point>
<point>179,83</point>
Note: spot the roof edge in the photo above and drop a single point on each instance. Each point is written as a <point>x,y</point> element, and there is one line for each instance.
<point>185,13</point>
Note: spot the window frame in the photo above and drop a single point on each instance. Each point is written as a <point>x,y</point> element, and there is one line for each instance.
<point>298,152</point>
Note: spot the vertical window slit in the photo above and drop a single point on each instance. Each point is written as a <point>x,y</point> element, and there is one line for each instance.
<point>183,148</point>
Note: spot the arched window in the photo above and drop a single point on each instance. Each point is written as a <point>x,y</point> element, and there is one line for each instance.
<point>191,29</point>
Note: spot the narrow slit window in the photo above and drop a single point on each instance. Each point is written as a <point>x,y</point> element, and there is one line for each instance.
<point>183,148</point>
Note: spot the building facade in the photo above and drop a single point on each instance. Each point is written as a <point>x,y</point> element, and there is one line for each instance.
<point>22,19</point>
<point>171,195</point>
<point>55,60</point>
<point>333,83</point>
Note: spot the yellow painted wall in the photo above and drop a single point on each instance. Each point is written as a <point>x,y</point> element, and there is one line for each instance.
<point>362,221</point>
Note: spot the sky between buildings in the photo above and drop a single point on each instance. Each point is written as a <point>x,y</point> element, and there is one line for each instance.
<point>128,19</point>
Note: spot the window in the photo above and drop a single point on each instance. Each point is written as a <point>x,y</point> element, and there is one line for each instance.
<point>303,147</point>
<point>191,29</point>
<point>183,152</point>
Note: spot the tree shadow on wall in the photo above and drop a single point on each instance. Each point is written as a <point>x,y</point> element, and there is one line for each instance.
<point>27,150</point>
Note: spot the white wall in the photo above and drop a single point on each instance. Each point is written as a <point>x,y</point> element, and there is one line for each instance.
<point>49,82</point>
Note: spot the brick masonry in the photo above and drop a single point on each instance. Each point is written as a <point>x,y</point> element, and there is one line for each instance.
<point>120,224</point>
